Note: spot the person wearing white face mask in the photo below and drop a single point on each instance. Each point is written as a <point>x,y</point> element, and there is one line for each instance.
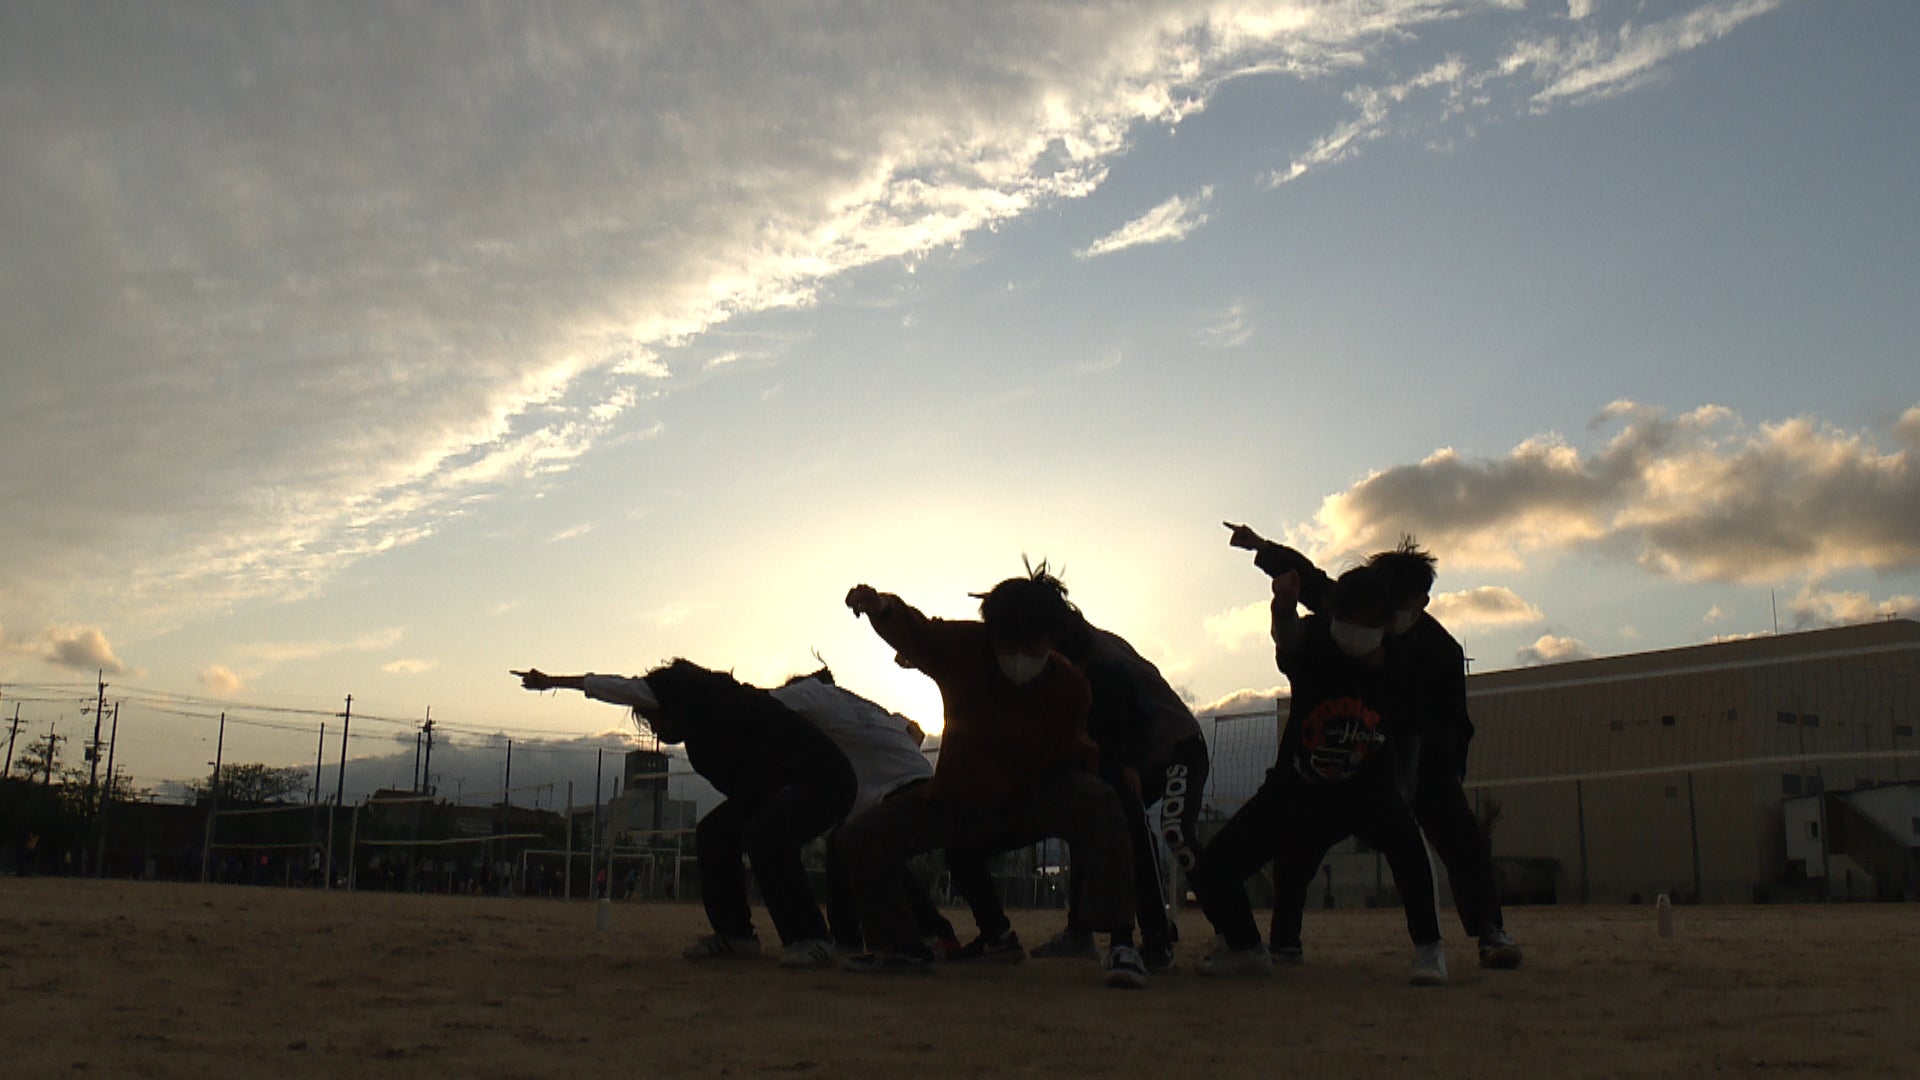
<point>1431,757</point>
<point>1015,766</point>
<point>1333,779</point>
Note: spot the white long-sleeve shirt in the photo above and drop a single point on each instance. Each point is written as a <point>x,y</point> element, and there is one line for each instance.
<point>884,747</point>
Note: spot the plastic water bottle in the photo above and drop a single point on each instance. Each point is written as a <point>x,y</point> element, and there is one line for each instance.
<point>603,917</point>
<point>1663,915</point>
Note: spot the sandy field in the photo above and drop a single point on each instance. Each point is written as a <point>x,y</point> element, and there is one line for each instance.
<point>122,979</point>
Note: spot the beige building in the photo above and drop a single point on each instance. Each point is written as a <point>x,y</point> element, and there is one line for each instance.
<point>1671,771</point>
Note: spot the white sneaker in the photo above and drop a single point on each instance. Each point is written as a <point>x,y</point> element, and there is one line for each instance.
<point>1227,963</point>
<point>810,953</point>
<point>1429,965</point>
<point>1125,969</point>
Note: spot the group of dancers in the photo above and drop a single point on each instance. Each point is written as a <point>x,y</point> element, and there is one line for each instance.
<point>1056,728</point>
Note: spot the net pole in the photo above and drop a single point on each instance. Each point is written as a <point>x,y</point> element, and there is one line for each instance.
<point>566,892</point>
<point>353,845</point>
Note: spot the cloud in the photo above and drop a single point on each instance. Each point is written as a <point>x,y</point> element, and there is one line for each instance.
<point>1593,64</point>
<point>270,654</point>
<point>1584,62</point>
<point>331,285</point>
<point>1813,609</point>
<point>82,648</point>
<point>1168,223</point>
<point>1243,701</point>
<point>573,533</point>
<point>1234,629</point>
<point>220,681</point>
<point>1229,330</point>
<point>1488,605</point>
<point>1113,358</point>
<point>1552,649</point>
<point>1714,615</point>
<point>407,667</point>
<point>1700,497</point>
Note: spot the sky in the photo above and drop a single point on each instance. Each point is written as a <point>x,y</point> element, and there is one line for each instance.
<point>370,350</point>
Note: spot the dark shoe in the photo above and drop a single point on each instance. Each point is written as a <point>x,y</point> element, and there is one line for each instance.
<point>1158,956</point>
<point>1005,949</point>
<point>889,962</point>
<point>717,947</point>
<point>1497,950</point>
<point>1067,945</point>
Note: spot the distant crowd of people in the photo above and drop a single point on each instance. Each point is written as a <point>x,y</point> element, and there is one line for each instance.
<point>1055,728</point>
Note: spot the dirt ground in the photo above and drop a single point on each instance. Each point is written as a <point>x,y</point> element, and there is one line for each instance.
<point>123,979</point>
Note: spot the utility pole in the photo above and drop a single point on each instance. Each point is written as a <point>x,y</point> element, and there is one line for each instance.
<point>319,762</point>
<point>340,789</point>
<point>53,746</point>
<point>93,748</point>
<point>11,732</point>
<point>213,802</point>
<point>106,797</point>
<point>426,768</point>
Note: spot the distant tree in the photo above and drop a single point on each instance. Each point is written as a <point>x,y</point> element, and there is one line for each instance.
<point>252,783</point>
<point>34,761</point>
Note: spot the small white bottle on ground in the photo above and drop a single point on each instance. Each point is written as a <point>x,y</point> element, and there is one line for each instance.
<point>1663,915</point>
<point>603,917</point>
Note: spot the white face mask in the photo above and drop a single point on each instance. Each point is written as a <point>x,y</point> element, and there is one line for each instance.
<point>1402,622</point>
<point>1356,640</point>
<point>1020,667</point>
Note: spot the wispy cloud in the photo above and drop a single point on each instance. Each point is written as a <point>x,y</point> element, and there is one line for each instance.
<point>332,285</point>
<point>573,533</point>
<point>407,667</point>
<point>1230,329</point>
<point>1595,64</point>
<point>1170,222</point>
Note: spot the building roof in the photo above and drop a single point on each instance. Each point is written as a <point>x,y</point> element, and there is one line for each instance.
<point>1893,635</point>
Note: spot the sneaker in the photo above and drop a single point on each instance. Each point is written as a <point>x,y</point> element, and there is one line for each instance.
<point>1158,956</point>
<point>1125,969</point>
<point>809,953</point>
<point>889,962</point>
<point>1429,965</point>
<point>717,947</point>
<point>1004,949</point>
<point>1290,955</point>
<point>1497,950</point>
<point>1226,963</point>
<point>944,948</point>
<point>1067,945</point>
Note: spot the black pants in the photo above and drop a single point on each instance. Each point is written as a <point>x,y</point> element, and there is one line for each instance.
<point>1441,807</point>
<point>769,832</point>
<point>1294,824</point>
<point>1178,785</point>
<point>1068,803</point>
<point>843,910</point>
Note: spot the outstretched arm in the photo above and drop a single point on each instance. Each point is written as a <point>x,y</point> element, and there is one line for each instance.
<point>914,637</point>
<point>535,679</point>
<point>1278,559</point>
